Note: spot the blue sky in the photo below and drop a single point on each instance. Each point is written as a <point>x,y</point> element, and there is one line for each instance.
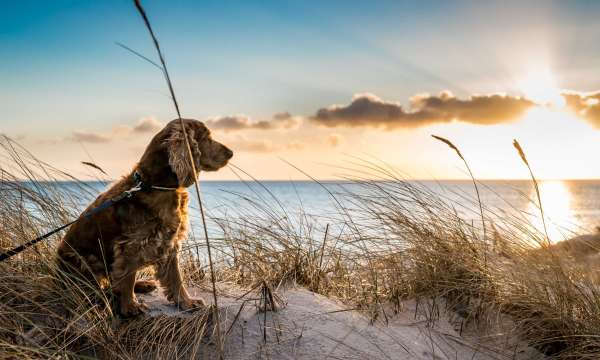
<point>62,72</point>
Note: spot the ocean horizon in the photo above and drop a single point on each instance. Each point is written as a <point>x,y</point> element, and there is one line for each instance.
<point>571,206</point>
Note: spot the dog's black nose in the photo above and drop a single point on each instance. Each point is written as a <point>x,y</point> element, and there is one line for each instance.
<point>228,153</point>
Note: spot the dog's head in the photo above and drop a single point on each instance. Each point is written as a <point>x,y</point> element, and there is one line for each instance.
<point>168,152</point>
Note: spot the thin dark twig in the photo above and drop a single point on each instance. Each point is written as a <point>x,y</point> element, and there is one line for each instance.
<point>140,55</point>
<point>91,164</point>
<point>323,246</point>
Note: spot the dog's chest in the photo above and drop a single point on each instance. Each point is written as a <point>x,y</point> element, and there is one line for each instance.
<point>168,230</point>
<point>163,243</point>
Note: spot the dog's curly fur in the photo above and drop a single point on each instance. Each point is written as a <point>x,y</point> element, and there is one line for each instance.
<point>148,228</point>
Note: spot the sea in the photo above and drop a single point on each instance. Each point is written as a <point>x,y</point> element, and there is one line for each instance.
<point>570,206</point>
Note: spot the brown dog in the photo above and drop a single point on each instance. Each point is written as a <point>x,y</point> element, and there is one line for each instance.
<point>148,228</point>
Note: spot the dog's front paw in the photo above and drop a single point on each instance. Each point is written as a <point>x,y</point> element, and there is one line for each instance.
<point>132,309</point>
<point>192,304</point>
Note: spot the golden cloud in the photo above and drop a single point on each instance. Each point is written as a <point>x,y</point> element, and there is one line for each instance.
<point>241,122</point>
<point>585,105</point>
<point>368,110</point>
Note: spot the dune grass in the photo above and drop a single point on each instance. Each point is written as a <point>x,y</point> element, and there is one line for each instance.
<point>47,314</point>
<point>390,240</point>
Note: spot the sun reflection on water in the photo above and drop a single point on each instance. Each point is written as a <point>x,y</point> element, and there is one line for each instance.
<point>558,209</point>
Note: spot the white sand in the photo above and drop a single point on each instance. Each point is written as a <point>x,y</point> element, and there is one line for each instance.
<point>310,326</point>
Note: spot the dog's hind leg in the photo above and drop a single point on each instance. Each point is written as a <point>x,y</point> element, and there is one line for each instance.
<point>123,283</point>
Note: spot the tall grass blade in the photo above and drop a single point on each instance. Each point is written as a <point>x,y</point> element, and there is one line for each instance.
<point>523,157</point>
<point>455,148</point>
<point>142,12</point>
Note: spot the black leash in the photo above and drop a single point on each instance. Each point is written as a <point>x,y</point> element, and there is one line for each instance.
<point>105,205</point>
<point>18,249</point>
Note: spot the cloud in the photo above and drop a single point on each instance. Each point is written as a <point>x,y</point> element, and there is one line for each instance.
<point>295,145</point>
<point>241,122</point>
<point>52,141</point>
<point>478,109</point>
<point>89,137</point>
<point>233,123</point>
<point>121,130</point>
<point>241,143</point>
<point>143,125</point>
<point>334,139</point>
<point>368,110</point>
<point>282,116</point>
<point>17,137</point>
<point>246,144</point>
<point>585,105</point>
<point>148,124</point>
<point>286,121</point>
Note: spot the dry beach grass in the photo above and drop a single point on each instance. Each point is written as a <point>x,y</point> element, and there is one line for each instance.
<point>391,242</point>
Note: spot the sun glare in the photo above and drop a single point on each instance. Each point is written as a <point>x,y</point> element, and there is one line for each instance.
<point>556,200</point>
<point>540,86</point>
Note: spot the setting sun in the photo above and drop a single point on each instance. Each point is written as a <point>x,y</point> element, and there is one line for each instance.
<point>557,203</point>
<point>540,86</point>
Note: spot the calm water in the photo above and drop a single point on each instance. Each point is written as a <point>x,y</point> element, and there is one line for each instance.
<point>572,205</point>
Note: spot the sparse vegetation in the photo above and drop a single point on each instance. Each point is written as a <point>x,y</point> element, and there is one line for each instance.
<point>391,240</point>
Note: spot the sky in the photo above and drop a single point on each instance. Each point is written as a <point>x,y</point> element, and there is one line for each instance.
<point>322,85</point>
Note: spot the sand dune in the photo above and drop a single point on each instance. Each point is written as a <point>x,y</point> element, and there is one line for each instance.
<point>310,326</point>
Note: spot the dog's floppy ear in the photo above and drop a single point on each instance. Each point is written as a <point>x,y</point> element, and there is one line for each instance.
<point>178,153</point>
